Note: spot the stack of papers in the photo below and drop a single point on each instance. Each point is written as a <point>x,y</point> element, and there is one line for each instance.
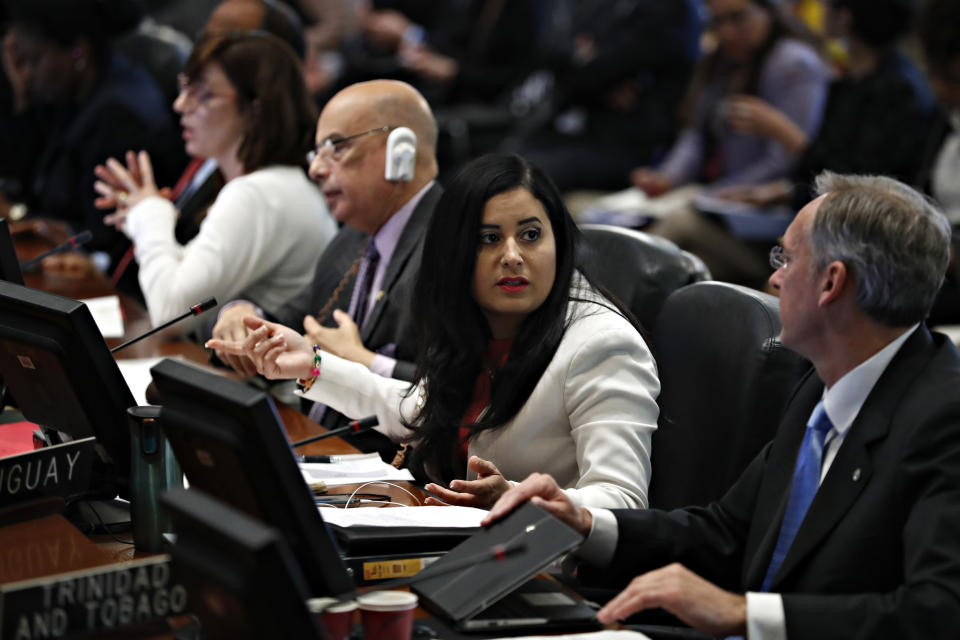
<point>440,517</point>
<point>353,471</point>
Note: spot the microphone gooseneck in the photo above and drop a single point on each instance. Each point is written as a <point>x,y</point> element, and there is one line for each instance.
<point>195,310</point>
<point>75,241</point>
<point>355,426</point>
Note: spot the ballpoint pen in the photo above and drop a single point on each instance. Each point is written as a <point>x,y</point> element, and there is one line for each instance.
<point>347,457</point>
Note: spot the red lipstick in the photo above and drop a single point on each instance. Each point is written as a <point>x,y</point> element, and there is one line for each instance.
<point>513,284</point>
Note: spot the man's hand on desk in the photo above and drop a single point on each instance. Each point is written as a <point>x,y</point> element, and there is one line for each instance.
<point>481,493</point>
<point>542,490</point>
<point>230,328</point>
<point>277,352</point>
<point>686,595</point>
<point>343,341</point>
<point>675,588</point>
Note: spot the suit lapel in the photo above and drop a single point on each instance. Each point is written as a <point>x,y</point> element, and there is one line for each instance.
<point>410,240</point>
<point>853,465</point>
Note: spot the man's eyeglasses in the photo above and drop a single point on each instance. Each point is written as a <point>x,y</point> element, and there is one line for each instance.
<point>334,147</point>
<point>779,258</point>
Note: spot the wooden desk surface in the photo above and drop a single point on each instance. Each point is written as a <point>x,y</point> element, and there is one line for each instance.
<point>46,546</point>
<point>137,322</point>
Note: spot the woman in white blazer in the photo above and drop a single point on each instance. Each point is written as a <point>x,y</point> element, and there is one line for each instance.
<point>524,366</point>
<point>243,103</point>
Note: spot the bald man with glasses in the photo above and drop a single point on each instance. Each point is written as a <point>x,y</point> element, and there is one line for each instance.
<point>356,306</point>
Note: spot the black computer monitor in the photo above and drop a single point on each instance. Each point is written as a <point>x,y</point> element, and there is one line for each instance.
<point>62,374</point>
<point>230,443</point>
<point>9,263</point>
<point>241,577</point>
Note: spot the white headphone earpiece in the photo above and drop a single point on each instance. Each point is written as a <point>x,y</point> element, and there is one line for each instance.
<point>401,155</point>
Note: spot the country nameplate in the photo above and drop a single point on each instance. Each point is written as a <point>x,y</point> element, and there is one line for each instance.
<point>62,470</point>
<point>89,600</point>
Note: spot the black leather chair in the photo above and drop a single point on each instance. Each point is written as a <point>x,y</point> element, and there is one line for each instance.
<point>640,269</point>
<point>725,379</point>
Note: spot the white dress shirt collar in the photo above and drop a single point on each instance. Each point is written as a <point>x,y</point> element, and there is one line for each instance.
<point>844,399</point>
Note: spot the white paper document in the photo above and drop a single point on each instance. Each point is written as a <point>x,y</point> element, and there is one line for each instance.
<point>443,517</point>
<point>633,202</point>
<point>136,371</point>
<point>106,313</point>
<point>353,471</point>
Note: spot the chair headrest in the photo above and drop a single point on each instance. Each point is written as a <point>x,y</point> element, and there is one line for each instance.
<point>640,269</point>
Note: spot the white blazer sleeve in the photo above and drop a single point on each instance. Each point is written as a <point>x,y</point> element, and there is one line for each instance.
<point>224,256</point>
<point>356,392</point>
<point>610,395</point>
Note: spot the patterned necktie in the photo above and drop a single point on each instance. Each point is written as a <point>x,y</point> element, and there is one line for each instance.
<point>806,480</point>
<point>361,293</point>
<point>358,307</point>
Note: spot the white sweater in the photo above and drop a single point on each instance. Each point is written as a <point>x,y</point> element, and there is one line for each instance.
<point>260,241</point>
<point>588,422</point>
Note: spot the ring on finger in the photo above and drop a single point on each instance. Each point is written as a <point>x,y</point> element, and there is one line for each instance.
<point>121,196</point>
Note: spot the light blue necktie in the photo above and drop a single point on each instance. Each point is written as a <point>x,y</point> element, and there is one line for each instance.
<point>806,480</point>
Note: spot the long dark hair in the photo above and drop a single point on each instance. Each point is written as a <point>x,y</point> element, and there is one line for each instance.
<point>453,333</point>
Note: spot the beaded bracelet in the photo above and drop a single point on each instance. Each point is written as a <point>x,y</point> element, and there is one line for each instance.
<point>304,384</point>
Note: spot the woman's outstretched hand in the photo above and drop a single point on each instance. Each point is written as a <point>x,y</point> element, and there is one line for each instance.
<point>482,492</point>
<point>123,187</point>
<point>278,352</point>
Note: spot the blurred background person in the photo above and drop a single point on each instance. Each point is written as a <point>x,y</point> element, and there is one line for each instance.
<point>243,102</point>
<point>877,120</point>
<point>453,52</point>
<point>614,90</point>
<point>939,33</point>
<point>198,185</point>
<point>73,103</point>
<point>759,51</point>
<point>756,48</point>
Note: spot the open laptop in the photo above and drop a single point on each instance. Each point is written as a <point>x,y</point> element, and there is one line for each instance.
<point>500,594</point>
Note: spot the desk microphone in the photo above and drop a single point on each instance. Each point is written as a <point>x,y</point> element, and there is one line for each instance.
<point>81,238</point>
<point>356,426</point>
<point>195,310</point>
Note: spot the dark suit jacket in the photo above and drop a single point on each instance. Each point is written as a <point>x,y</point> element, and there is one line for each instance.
<point>878,555</point>
<point>388,329</point>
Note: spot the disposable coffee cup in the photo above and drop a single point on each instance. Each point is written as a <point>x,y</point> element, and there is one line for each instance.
<point>334,616</point>
<point>387,615</point>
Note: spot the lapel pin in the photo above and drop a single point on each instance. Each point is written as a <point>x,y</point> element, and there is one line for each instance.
<point>856,474</point>
<point>380,295</point>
